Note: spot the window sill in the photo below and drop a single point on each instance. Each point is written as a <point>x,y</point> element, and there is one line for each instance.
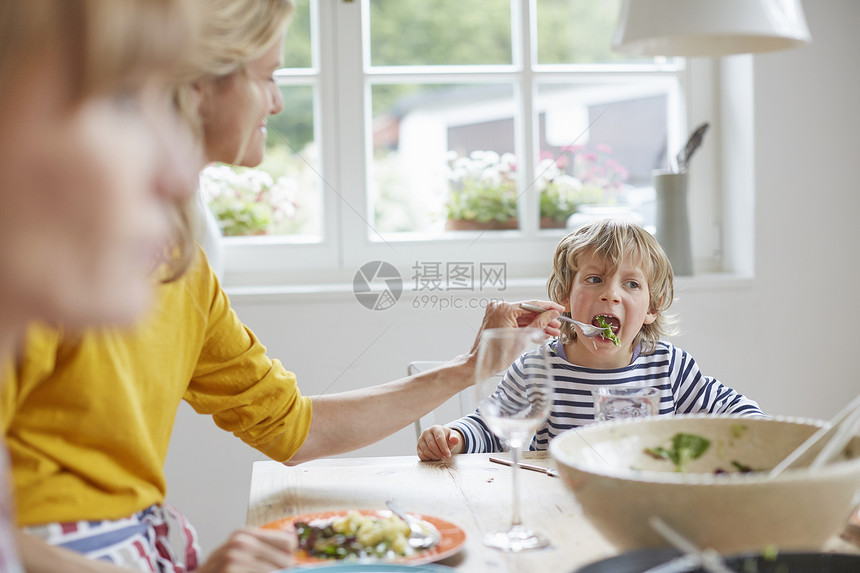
<point>516,289</point>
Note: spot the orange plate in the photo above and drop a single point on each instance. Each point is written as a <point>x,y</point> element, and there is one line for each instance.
<point>451,542</point>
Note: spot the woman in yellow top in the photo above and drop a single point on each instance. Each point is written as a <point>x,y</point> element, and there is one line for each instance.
<point>102,459</point>
<point>93,162</point>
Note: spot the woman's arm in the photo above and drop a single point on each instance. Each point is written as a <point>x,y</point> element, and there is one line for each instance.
<point>349,420</point>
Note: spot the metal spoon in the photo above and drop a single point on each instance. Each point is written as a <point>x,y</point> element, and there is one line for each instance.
<point>588,330</point>
<point>423,534</point>
<point>707,559</point>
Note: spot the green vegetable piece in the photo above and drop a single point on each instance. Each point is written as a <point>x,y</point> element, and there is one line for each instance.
<point>738,430</point>
<point>688,448</point>
<point>685,448</point>
<point>659,452</point>
<point>742,467</point>
<point>607,331</point>
<point>770,553</point>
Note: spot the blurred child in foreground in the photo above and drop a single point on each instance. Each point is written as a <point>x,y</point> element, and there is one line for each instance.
<point>94,167</point>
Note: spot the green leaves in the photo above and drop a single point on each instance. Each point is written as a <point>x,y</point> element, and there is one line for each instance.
<point>685,448</point>
<point>607,331</point>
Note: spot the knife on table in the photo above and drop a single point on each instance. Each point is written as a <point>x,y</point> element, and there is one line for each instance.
<point>548,471</point>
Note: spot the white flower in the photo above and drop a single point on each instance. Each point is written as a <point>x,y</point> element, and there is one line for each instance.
<point>567,184</point>
<point>491,177</point>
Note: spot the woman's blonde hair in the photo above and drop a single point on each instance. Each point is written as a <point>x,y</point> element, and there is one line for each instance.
<point>613,241</point>
<point>233,34</point>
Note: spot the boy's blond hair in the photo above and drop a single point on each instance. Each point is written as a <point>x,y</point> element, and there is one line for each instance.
<point>614,240</point>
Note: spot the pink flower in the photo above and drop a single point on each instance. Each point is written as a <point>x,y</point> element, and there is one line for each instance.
<point>573,148</point>
<point>595,172</point>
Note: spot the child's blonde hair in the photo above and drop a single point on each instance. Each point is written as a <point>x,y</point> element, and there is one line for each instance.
<point>614,240</point>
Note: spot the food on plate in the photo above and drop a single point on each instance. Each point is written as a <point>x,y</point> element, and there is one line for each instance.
<point>685,447</point>
<point>355,536</point>
<point>607,330</point>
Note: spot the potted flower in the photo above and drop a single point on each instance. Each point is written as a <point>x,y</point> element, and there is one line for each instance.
<point>575,178</point>
<point>482,191</point>
<point>247,201</point>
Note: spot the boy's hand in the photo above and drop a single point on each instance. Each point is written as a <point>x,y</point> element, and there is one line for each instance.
<point>439,443</point>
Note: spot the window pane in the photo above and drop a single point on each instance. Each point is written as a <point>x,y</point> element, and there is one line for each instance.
<point>599,143</point>
<point>578,32</point>
<point>297,46</point>
<point>282,196</point>
<point>441,153</point>
<point>442,32</point>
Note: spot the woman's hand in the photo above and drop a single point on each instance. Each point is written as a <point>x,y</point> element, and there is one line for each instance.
<point>500,314</point>
<point>252,550</point>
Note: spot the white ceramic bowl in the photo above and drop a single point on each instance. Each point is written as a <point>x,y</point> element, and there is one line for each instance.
<point>620,487</point>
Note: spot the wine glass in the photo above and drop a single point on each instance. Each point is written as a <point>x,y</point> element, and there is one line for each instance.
<point>513,407</point>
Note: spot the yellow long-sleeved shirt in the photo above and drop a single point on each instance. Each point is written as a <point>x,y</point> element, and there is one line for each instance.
<point>88,416</point>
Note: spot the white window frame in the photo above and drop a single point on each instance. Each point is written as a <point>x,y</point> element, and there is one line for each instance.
<point>342,79</point>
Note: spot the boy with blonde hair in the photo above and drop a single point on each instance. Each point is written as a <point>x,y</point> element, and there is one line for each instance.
<point>614,272</point>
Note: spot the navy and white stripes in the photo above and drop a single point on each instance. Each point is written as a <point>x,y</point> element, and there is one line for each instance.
<point>683,390</point>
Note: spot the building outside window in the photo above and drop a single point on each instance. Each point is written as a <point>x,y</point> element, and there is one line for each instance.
<point>452,130</point>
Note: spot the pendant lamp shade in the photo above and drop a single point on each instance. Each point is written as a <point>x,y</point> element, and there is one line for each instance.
<point>709,27</point>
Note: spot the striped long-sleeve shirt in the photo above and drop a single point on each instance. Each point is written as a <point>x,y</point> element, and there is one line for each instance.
<point>683,390</point>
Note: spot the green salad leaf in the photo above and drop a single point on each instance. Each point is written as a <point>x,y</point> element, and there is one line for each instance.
<point>685,448</point>
<point>607,331</point>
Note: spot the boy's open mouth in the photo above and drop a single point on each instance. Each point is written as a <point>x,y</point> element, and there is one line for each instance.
<point>608,320</point>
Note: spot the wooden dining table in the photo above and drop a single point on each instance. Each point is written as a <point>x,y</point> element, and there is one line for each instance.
<point>468,490</point>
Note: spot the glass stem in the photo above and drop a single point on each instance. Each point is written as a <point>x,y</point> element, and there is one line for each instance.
<point>515,511</point>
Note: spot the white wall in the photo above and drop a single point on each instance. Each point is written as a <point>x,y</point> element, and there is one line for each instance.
<point>807,151</point>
